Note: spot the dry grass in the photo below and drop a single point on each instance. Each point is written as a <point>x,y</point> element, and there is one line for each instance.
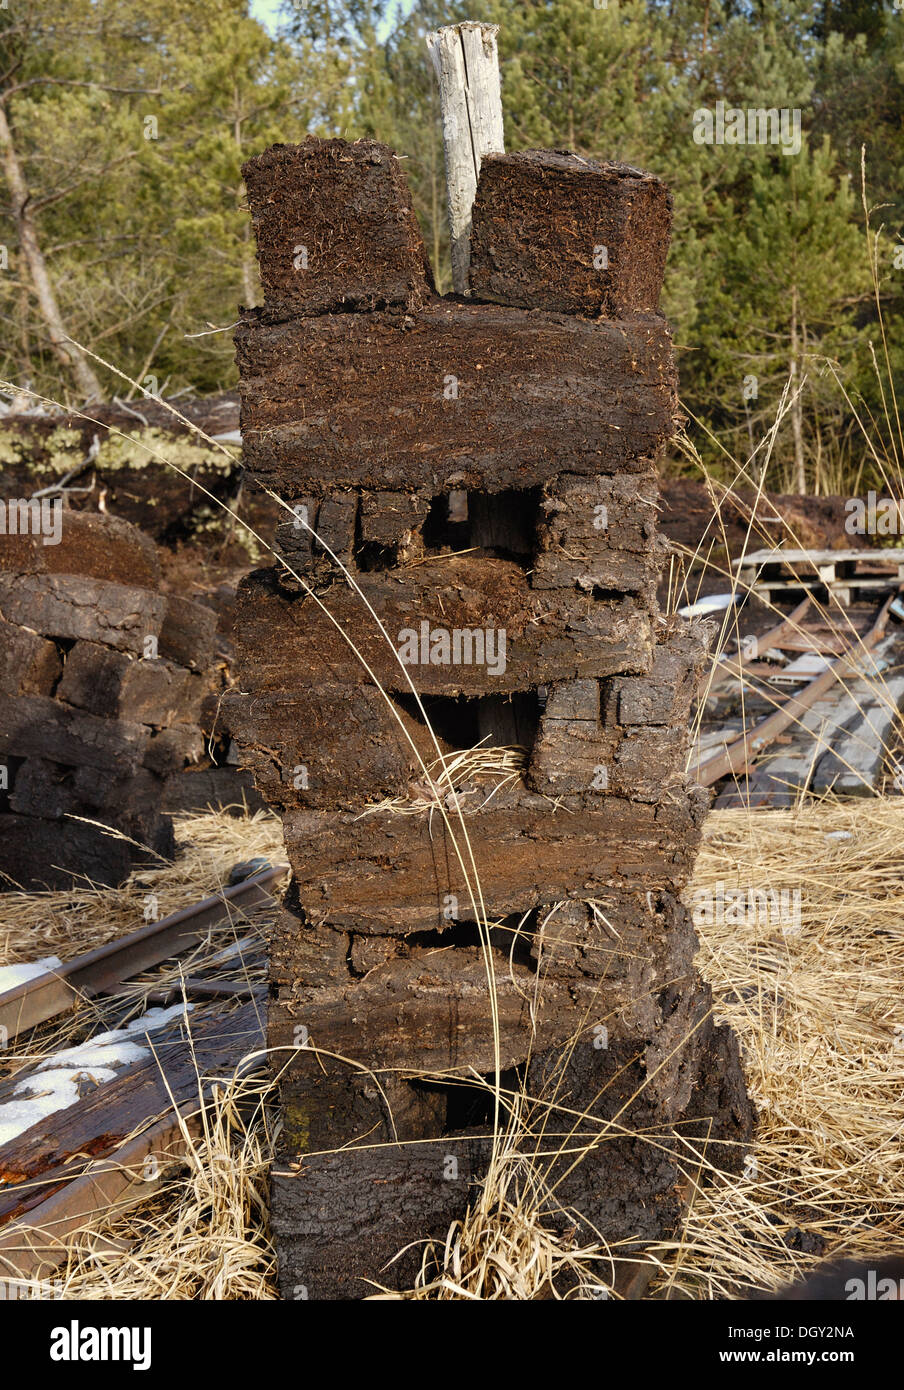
<point>819,1017</point>
<point>65,924</point>
<point>503,1248</point>
<point>453,777</point>
<point>202,1236</point>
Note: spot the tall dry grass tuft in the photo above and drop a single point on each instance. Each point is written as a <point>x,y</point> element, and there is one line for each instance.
<point>818,1013</point>
<point>506,1246</point>
<point>205,1235</point>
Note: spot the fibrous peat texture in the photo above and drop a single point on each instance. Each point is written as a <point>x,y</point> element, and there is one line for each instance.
<point>471,563</point>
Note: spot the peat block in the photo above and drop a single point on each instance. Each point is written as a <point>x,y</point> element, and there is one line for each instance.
<point>554,231</point>
<point>457,396</point>
<point>335,228</point>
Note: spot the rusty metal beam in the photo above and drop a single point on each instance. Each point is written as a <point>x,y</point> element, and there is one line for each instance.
<point>103,969</point>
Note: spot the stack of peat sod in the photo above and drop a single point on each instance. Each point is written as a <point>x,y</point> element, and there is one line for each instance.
<point>484,468</point>
<point>118,457</point>
<point>102,678</point>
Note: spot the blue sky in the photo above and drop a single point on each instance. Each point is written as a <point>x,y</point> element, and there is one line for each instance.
<point>267,11</point>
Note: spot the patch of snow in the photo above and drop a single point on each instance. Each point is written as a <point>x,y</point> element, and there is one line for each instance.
<point>106,1047</point>
<point>12,975</point>
<point>713,603</point>
<point>59,1081</point>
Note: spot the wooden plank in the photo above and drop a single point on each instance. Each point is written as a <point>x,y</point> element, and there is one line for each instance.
<point>35,1244</point>
<point>756,789</point>
<point>41,1214</point>
<point>754,645</point>
<point>856,760</point>
<point>466,62</point>
<point>213,1043</point>
<point>829,722</point>
<point>720,737</point>
<point>793,767</point>
<point>192,988</point>
<point>842,585</point>
<point>826,643</point>
<point>889,557</point>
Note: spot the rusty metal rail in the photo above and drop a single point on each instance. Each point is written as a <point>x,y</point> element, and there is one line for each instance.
<point>99,971</point>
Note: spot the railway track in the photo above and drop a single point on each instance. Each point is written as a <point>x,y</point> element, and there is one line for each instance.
<point>102,970</point>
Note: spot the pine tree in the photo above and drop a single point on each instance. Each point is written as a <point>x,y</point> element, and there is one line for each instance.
<point>791,274</point>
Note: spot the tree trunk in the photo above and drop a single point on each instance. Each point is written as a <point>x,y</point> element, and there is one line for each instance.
<point>67,354</point>
<point>797,414</point>
<point>466,62</point>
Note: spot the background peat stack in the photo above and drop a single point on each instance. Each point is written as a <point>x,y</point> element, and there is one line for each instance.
<point>122,458</point>
<point>141,464</point>
<point>102,679</point>
<point>486,470</point>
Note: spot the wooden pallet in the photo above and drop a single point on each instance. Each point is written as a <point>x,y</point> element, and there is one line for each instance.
<point>840,574</point>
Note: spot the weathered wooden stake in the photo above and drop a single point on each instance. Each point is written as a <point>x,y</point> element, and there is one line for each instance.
<point>466,61</point>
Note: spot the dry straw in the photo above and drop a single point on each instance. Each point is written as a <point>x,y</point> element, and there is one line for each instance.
<point>67,923</point>
<point>454,777</point>
<point>202,1236</point>
<point>820,1018</point>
